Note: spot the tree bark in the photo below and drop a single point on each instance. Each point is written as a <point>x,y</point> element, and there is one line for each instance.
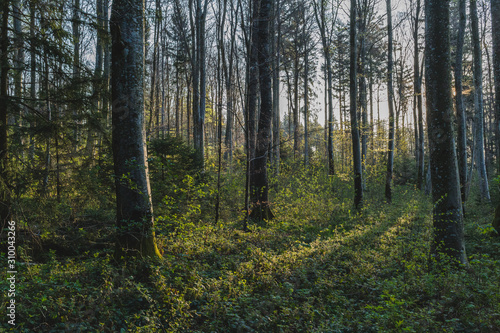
<point>261,209</point>
<point>495,19</point>
<point>5,197</point>
<point>478,104</point>
<point>417,86</point>
<point>135,221</point>
<point>356,148</point>
<point>390,98</point>
<point>461,116</point>
<point>448,242</point>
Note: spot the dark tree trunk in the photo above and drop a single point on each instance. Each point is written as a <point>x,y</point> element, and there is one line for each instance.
<point>447,215</point>
<point>461,116</point>
<point>495,19</point>
<point>417,101</point>
<point>133,193</point>
<point>5,203</point>
<point>252,91</point>
<point>356,148</point>
<point>390,94</point>
<point>261,209</point>
<point>478,105</point>
<point>276,87</point>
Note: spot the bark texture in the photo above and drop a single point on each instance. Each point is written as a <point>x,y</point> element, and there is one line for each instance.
<point>135,234</point>
<point>261,209</point>
<point>495,19</point>
<point>478,105</point>
<point>356,147</point>
<point>461,116</point>
<point>390,94</point>
<point>448,239</point>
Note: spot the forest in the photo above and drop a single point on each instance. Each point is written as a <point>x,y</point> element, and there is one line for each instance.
<point>250,165</point>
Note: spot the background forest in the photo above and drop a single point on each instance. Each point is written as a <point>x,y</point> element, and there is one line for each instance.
<point>250,166</point>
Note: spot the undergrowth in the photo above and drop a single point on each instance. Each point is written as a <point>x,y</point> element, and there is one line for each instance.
<point>319,266</point>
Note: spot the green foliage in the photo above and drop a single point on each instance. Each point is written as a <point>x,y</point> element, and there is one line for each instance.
<point>319,266</point>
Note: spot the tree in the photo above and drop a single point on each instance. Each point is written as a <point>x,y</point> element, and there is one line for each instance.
<point>417,98</point>
<point>326,43</point>
<point>478,105</point>
<point>261,209</point>
<point>356,147</point>
<point>4,102</point>
<point>461,116</point>
<point>133,192</point>
<point>390,100</point>
<point>495,22</point>
<point>448,239</point>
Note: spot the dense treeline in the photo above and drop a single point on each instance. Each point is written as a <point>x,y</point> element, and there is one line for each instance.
<point>139,130</point>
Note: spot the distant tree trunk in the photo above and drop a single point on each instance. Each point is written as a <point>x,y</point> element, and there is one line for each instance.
<point>296,99</point>
<point>478,104</point>
<point>461,116</point>
<point>276,87</point>
<point>447,215</point>
<point>5,197</point>
<point>203,83</point>
<point>306,97</point>
<point>18,58</point>
<point>356,149</point>
<point>363,102</point>
<point>495,19</point>
<point>252,91</point>
<point>133,192</point>
<point>99,60</point>
<point>31,154</point>
<point>321,20</point>
<point>417,101</point>
<point>390,100</point>
<point>107,59</point>
<point>261,209</point>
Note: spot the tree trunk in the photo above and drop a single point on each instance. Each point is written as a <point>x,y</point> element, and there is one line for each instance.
<point>461,116</point>
<point>306,97</point>
<point>478,104</point>
<point>320,15</point>
<point>261,209</point>
<point>390,98</point>
<point>356,149</point>
<point>495,19</point>
<point>133,192</point>
<point>276,87</point>
<point>252,91</point>
<point>417,100</point>
<point>448,240</point>
<point>5,201</point>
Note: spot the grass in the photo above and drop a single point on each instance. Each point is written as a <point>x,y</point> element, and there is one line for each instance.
<point>318,267</point>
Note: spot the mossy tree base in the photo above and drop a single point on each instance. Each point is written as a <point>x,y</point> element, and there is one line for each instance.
<point>261,212</point>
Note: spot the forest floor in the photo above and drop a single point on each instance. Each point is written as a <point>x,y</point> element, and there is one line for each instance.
<point>319,266</point>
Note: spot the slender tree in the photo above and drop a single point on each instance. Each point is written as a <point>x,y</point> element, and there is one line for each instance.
<point>133,193</point>
<point>417,98</point>
<point>448,239</point>
<point>326,43</point>
<point>356,147</point>
<point>461,116</point>
<point>495,22</point>
<point>4,102</point>
<point>390,101</point>
<point>261,209</point>
<point>478,104</point>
